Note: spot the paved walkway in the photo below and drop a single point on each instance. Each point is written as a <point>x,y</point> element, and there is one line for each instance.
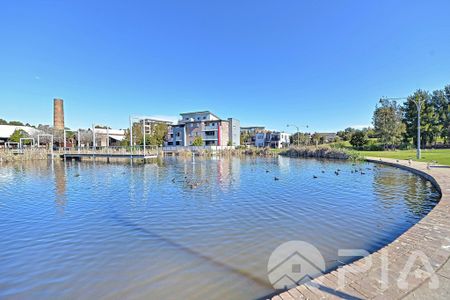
<point>396,271</point>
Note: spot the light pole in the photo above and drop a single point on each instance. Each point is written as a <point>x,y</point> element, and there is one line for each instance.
<point>79,140</point>
<point>418,102</point>
<point>131,132</point>
<point>143,133</point>
<point>93,136</point>
<point>298,132</point>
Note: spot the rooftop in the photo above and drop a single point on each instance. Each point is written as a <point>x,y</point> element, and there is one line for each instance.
<point>200,112</point>
<point>7,130</point>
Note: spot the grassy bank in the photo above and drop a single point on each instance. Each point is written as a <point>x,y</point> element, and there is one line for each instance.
<point>441,156</point>
<point>322,151</point>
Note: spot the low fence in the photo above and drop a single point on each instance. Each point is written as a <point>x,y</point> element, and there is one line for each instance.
<point>135,150</point>
<point>40,153</point>
<point>197,148</point>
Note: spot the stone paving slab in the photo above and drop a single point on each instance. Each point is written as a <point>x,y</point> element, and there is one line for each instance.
<point>429,279</point>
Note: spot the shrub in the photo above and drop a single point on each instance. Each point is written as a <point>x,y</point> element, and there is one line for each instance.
<point>198,141</point>
<point>358,139</point>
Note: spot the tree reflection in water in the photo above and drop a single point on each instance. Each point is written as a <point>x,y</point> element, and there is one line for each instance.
<point>416,197</point>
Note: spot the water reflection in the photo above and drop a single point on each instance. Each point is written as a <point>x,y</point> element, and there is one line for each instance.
<point>416,192</point>
<point>205,174</point>
<point>59,174</point>
<point>189,226</point>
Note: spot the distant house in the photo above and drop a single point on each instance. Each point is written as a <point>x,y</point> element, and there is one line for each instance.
<point>249,134</point>
<point>7,130</point>
<point>213,130</point>
<point>328,137</point>
<point>272,139</point>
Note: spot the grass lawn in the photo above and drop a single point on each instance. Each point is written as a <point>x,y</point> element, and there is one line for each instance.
<point>442,156</point>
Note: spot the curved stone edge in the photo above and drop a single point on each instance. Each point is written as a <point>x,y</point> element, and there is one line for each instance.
<point>430,236</point>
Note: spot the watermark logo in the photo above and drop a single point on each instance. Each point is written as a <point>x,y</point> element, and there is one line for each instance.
<point>297,262</point>
<point>294,263</point>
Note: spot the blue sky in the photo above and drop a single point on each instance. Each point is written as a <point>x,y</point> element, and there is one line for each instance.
<point>318,63</point>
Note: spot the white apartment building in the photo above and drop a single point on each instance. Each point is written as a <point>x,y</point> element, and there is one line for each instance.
<point>213,130</point>
<point>272,139</point>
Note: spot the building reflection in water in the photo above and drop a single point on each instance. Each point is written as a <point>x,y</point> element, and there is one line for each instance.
<point>60,177</point>
<point>210,173</point>
<point>284,163</point>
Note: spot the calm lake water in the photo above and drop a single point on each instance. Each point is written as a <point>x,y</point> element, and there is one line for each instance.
<point>185,229</point>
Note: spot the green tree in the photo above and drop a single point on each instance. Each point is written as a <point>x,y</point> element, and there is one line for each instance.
<point>315,138</point>
<point>446,129</point>
<point>138,136</point>
<point>387,121</point>
<point>359,139</point>
<point>198,141</point>
<point>15,123</point>
<point>346,134</point>
<point>300,138</point>
<point>245,138</point>
<point>157,136</point>
<point>17,135</point>
<point>439,119</point>
<point>3,122</point>
<point>370,132</point>
<point>430,126</point>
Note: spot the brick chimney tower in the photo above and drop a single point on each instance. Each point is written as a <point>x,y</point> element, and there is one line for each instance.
<point>58,114</point>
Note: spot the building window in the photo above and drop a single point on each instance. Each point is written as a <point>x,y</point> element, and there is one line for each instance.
<point>204,118</point>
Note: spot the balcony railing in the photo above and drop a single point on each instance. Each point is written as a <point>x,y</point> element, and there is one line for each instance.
<point>210,137</point>
<point>210,128</point>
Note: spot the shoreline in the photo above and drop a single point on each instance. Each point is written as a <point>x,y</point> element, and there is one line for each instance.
<point>430,235</point>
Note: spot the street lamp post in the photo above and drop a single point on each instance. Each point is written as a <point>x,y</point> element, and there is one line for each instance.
<point>131,133</point>
<point>93,137</point>
<point>79,140</point>
<point>418,102</point>
<point>298,132</point>
<point>143,133</point>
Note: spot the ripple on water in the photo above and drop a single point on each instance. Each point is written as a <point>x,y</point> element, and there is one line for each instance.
<point>188,228</point>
